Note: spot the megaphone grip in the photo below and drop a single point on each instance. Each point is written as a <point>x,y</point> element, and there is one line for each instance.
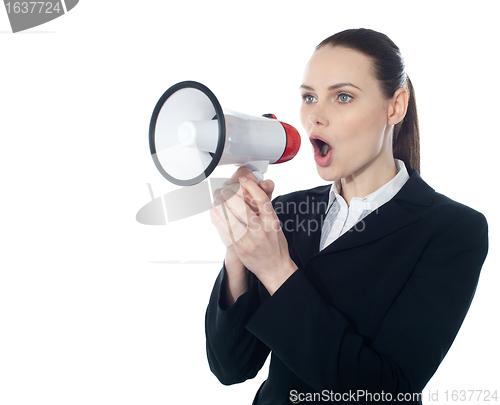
<point>258,175</point>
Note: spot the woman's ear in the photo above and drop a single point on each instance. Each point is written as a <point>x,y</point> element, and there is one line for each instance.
<point>397,106</point>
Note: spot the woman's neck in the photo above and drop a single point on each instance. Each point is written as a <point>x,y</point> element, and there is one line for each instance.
<point>368,179</point>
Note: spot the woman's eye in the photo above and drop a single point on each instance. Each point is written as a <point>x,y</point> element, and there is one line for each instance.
<point>309,99</point>
<point>344,98</point>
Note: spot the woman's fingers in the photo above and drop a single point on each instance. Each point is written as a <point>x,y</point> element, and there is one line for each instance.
<point>232,189</point>
<point>243,171</point>
<point>237,209</point>
<point>260,199</point>
<point>230,227</point>
<point>238,206</point>
<point>268,187</point>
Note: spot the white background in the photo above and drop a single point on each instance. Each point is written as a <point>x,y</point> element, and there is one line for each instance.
<point>96,308</point>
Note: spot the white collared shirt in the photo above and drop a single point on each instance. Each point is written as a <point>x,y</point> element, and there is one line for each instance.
<point>348,216</point>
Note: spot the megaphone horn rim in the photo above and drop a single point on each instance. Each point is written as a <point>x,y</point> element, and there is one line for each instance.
<point>219,116</point>
<point>292,143</point>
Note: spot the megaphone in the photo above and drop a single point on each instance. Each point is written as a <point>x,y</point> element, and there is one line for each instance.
<point>190,135</point>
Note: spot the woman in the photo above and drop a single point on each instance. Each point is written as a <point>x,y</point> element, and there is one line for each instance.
<point>360,292</point>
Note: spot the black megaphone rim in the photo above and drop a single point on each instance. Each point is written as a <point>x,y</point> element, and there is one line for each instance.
<point>219,115</point>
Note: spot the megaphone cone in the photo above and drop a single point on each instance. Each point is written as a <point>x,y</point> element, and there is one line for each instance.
<point>190,135</point>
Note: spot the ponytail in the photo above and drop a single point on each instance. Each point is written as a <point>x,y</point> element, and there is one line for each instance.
<point>406,137</point>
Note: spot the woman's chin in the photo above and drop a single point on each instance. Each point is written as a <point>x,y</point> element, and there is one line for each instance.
<point>327,173</point>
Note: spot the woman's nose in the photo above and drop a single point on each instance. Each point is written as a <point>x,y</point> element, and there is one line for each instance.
<point>317,117</point>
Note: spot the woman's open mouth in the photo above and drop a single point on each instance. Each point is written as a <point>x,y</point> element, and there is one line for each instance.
<point>322,150</point>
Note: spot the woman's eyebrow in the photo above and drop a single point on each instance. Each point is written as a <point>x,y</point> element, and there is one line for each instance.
<point>332,87</point>
<point>305,87</point>
<point>339,85</point>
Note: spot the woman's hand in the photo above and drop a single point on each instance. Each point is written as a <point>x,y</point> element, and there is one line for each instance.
<point>256,236</point>
<point>236,277</point>
<point>239,198</point>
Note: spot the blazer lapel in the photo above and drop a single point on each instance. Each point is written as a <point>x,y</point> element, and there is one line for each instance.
<point>308,221</point>
<point>387,219</point>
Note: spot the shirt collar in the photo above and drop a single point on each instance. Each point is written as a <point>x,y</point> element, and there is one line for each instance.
<point>378,197</point>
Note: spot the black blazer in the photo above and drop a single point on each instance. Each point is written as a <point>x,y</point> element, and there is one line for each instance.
<point>376,311</point>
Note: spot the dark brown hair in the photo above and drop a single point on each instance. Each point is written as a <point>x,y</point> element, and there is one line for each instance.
<point>389,70</point>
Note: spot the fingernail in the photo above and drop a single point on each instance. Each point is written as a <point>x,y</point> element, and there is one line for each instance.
<point>242,179</point>
<point>213,212</point>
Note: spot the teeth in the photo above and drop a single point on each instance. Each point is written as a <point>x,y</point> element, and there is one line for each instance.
<point>324,150</point>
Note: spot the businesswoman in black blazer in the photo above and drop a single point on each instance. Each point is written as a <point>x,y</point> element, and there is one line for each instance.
<point>357,289</point>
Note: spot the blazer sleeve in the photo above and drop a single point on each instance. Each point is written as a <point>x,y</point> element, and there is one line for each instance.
<point>320,346</point>
<point>234,354</point>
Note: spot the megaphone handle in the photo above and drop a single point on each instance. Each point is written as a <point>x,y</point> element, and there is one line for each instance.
<point>259,175</point>
<point>258,168</point>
